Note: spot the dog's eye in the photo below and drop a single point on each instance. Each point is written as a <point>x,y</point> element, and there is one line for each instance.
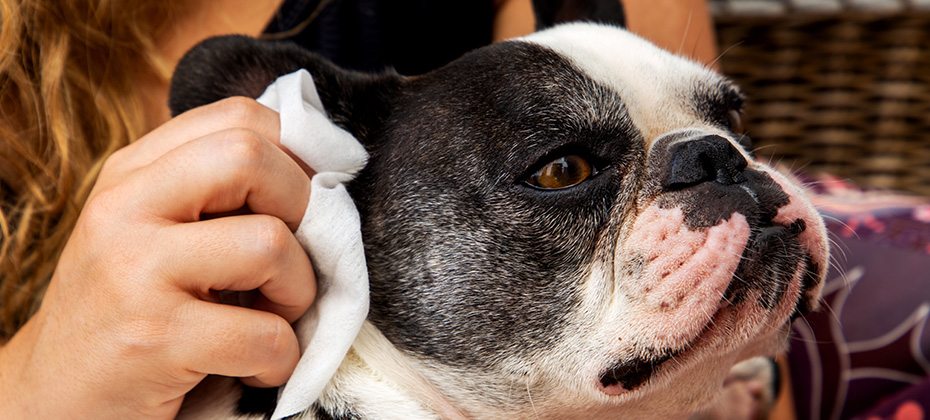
<point>735,121</point>
<point>566,171</point>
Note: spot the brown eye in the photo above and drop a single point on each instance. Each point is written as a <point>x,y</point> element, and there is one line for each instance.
<point>735,121</point>
<point>564,172</point>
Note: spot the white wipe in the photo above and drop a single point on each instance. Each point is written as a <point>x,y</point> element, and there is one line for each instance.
<point>330,233</point>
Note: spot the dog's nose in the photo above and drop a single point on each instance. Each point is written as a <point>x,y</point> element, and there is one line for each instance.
<point>710,158</point>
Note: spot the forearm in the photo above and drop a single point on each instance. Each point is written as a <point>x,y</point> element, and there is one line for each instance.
<point>681,26</point>
<point>512,18</point>
<point>14,359</point>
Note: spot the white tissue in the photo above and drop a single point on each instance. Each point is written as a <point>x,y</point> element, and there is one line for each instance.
<point>330,233</point>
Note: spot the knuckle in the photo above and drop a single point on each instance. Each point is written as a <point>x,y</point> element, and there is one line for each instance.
<point>106,204</point>
<point>273,238</point>
<point>240,110</point>
<point>277,338</point>
<point>140,337</point>
<point>243,148</point>
<point>110,226</point>
<point>112,162</point>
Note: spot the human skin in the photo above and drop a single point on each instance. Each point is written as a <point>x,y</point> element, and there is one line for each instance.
<point>680,26</point>
<point>129,323</point>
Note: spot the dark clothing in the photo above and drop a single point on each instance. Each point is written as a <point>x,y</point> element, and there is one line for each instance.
<point>412,36</point>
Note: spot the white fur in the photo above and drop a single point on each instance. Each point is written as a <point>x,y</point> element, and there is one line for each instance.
<point>650,80</point>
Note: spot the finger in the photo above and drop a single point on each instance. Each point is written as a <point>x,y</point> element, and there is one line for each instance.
<point>243,253</point>
<point>235,112</point>
<point>234,341</point>
<point>222,172</point>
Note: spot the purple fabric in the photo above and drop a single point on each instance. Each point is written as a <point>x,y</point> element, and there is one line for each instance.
<point>868,341</point>
<point>909,404</point>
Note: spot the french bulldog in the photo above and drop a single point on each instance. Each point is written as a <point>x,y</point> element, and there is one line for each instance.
<point>566,225</point>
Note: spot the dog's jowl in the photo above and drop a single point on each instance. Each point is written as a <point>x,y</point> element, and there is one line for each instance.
<point>560,226</point>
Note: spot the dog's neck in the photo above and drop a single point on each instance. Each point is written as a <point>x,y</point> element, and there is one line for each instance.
<point>374,358</point>
<point>378,381</point>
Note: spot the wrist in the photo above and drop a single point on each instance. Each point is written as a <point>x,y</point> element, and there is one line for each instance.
<point>14,382</point>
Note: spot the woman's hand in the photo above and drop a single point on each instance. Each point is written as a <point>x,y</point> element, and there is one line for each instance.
<point>131,320</point>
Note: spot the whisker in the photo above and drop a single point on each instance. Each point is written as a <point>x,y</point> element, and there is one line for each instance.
<point>532,404</point>
<point>684,35</point>
<point>720,56</point>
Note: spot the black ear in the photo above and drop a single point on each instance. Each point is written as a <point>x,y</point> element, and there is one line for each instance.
<point>237,65</point>
<point>552,12</point>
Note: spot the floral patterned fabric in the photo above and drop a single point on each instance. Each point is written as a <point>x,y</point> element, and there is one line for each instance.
<point>864,355</point>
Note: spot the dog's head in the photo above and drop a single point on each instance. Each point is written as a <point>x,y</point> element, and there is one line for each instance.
<point>565,223</point>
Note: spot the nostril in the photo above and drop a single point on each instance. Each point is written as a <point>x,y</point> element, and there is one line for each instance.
<point>707,159</point>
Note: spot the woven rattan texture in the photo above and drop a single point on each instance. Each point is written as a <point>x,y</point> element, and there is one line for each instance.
<point>843,94</point>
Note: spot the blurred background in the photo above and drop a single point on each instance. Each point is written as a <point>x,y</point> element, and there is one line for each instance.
<point>836,86</point>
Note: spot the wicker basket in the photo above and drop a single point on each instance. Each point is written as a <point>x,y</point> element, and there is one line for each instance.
<point>847,94</point>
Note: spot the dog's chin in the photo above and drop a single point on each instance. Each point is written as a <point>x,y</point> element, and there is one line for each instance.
<point>712,348</point>
<point>764,293</point>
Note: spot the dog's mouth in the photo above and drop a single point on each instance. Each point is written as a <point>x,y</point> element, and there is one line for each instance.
<point>771,262</point>
<point>630,374</point>
<point>772,258</point>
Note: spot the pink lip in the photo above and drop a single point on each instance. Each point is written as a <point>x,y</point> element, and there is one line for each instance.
<point>612,390</point>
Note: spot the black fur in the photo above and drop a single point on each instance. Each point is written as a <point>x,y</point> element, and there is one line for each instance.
<point>257,401</point>
<point>487,267</point>
<point>320,414</point>
<point>235,65</point>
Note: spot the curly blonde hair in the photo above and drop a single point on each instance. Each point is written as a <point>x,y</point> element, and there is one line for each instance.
<point>67,101</point>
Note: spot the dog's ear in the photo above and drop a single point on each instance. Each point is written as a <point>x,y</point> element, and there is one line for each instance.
<point>237,65</point>
<point>553,12</point>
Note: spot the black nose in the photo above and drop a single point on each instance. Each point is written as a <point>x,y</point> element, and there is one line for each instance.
<point>707,159</point>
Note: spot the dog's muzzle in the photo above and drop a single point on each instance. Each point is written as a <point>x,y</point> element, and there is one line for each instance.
<point>726,243</point>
